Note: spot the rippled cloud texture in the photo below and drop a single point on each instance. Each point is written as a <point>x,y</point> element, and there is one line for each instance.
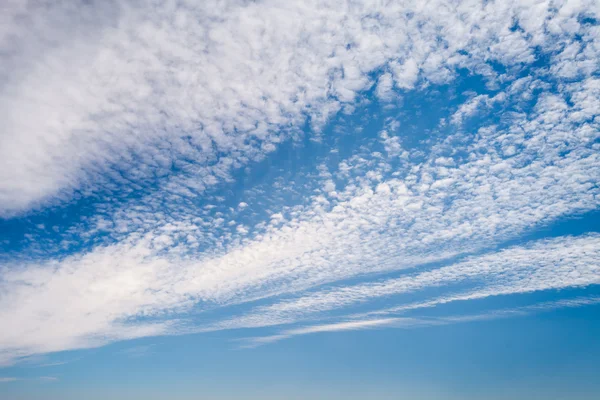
<point>184,167</point>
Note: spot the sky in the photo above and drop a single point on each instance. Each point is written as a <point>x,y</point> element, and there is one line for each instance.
<point>230,199</point>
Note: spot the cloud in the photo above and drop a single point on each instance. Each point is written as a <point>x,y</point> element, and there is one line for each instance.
<point>385,86</point>
<point>47,379</point>
<point>411,323</point>
<point>143,108</point>
<point>137,351</point>
<point>52,364</point>
<point>114,300</point>
<point>40,379</point>
<point>335,327</point>
<point>439,212</point>
<point>128,90</point>
<point>545,265</point>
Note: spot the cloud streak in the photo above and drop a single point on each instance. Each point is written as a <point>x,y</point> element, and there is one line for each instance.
<point>546,265</point>
<point>411,323</point>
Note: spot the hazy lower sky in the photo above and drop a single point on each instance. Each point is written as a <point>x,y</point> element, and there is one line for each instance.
<point>300,200</point>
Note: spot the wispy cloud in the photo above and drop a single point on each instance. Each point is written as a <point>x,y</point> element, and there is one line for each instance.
<point>39,379</point>
<point>47,379</point>
<point>420,322</point>
<point>335,327</point>
<point>52,364</point>
<point>137,351</point>
<point>553,264</point>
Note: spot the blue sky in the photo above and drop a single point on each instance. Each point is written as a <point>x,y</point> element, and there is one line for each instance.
<point>300,200</point>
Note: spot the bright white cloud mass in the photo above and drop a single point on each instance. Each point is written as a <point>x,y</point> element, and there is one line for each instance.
<point>136,136</point>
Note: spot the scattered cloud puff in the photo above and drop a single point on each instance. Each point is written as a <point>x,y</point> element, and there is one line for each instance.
<point>144,107</point>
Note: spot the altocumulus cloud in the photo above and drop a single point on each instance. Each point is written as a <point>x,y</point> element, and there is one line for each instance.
<point>145,107</point>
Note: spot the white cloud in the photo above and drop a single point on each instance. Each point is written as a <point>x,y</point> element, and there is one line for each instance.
<point>211,88</point>
<point>137,351</point>
<point>124,91</point>
<point>385,85</point>
<point>117,292</point>
<point>48,379</point>
<point>410,323</point>
<point>545,265</point>
<point>438,211</point>
<point>335,327</point>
